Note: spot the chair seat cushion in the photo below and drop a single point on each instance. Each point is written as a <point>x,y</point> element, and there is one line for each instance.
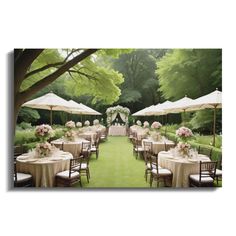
<point>153,166</point>
<point>161,171</point>
<point>65,174</point>
<point>83,167</point>
<point>93,149</point>
<point>218,172</point>
<point>21,177</point>
<point>196,177</point>
<point>139,149</point>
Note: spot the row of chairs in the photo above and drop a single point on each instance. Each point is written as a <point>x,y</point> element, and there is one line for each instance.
<point>208,170</point>
<point>66,177</point>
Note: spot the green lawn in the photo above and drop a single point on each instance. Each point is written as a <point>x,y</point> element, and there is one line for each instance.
<point>116,166</point>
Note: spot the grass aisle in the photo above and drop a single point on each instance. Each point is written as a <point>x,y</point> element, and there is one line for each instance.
<point>116,166</point>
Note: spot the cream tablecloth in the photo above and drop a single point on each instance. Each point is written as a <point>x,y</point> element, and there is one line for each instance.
<point>117,130</point>
<point>91,134</point>
<point>44,169</point>
<point>74,147</point>
<point>158,146</point>
<point>180,167</point>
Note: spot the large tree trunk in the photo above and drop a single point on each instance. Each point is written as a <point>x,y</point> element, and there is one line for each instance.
<point>21,67</point>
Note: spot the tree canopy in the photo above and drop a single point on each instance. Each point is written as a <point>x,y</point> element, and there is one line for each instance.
<point>35,69</point>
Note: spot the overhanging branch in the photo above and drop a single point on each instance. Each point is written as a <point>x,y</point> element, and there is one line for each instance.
<point>52,77</point>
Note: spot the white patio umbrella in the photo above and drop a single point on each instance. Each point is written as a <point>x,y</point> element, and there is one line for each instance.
<point>179,106</point>
<point>212,101</point>
<point>143,111</point>
<point>49,101</point>
<point>89,110</point>
<point>159,109</point>
<point>77,108</point>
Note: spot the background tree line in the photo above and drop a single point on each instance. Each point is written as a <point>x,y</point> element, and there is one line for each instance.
<point>131,78</point>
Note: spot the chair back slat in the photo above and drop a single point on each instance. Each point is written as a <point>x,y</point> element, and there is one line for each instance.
<point>207,169</point>
<point>74,163</point>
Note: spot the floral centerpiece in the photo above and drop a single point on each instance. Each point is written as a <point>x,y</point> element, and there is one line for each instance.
<point>156,125</point>
<point>96,122</point>
<point>70,124</point>
<point>183,149</point>
<point>139,123</point>
<point>87,123</point>
<point>43,149</point>
<point>79,124</point>
<point>155,134</point>
<point>145,124</point>
<point>184,134</point>
<point>70,135</point>
<point>44,132</point>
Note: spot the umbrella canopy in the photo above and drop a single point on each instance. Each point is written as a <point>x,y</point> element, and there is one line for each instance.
<point>49,101</point>
<point>212,101</point>
<point>143,111</point>
<point>178,106</point>
<point>159,109</point>
<point>77,108</point>
<point>89,110</point>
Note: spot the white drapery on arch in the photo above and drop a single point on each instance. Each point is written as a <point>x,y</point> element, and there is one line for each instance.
<point>112,113</point>
<point>122,116</point>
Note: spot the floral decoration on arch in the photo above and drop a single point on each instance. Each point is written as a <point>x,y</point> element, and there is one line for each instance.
<point>117,110</point>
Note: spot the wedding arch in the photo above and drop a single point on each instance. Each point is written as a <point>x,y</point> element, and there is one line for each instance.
<point>112,113</point>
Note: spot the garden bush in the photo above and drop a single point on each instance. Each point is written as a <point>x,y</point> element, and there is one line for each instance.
<point>25,125</point>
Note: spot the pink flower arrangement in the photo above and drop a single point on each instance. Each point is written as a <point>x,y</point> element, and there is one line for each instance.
<point>184,133</point>
<point>70,124</point>
<point>70,135</point>
<point>43,149</point>
<point>145,124</point>
<point>44,131</point>
<point>156,125</point>
<point>183,148</point>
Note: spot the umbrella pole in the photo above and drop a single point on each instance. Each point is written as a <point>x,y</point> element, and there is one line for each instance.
<point>51,115</point>
<point>214,127</point>
<point>184,118</point>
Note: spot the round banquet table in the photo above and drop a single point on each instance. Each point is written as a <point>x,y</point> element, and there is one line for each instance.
<point>44,169</point>
<point>74,147</point>
<point>158,146</point>
<point>91,134</point>
<point>116,130</point>
<point>180,167</point>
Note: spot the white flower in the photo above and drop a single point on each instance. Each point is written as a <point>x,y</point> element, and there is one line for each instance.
<point>139,123</point>
<point>70,124</point>
<point>96,122</point>
<point>79,124</point>
<point>87,123</point>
